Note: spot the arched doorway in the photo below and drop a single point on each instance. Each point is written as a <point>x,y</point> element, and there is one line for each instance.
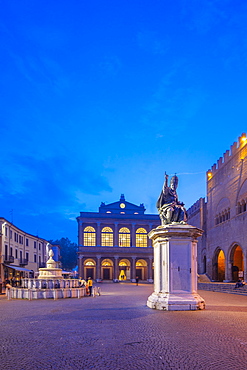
<point>141,269</point>
<point>237,258</point>
<point>204,264</point>
<point>219,265</point>
<point>124,269</point>
<point>89,268</point>
<point>107,268</point>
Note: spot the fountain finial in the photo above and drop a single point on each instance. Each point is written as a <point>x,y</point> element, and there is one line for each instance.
<point>51,253</point>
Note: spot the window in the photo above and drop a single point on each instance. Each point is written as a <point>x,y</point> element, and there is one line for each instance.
<point>16,237</point>
<point>26,242</point>
<point>107,237</point>
<point>241,207</point>
<point>35,244</point>
<point>11,251</point>
<point>90,263</point>
<point>39,246</point>
<point>89,236</point>
<point>106,263</point>
<point>16,253</point>
<point>6,252</point>
<point>6,231</point>
<point>27,256</point>
<point>223,216</point>
<point>10,234</point>
<point>124,237</point>
<point>35,258</point>
<point>141,237</point>
<point>20,255</point>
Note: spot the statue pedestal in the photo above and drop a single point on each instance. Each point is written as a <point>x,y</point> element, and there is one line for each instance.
<point>175,268</point>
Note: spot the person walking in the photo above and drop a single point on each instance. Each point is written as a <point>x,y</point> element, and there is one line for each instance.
<point>137,279</point>
<point>90,285</point>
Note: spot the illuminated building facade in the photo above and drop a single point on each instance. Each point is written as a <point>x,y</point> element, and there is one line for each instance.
<point>222,252</point>
<point>21,253</point>
<point>114,244</point>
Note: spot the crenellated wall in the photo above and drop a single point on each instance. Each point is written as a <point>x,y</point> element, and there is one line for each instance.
<point>228,155</point>
<point>223,216</point>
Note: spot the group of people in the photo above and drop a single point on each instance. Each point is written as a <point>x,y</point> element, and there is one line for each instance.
<point>87,284</point>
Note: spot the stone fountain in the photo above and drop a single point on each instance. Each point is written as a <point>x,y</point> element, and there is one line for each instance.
<point>51,271</point>
<point>49,284</point>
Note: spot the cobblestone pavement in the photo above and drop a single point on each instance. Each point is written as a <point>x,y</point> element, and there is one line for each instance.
<point>118,331</point>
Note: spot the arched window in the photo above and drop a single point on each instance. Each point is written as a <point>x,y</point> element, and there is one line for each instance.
<point>89,236</point>
<point>107,262</point>
<point>239,208</point>
<point>141,237</point>
<point>124,237</point>
<point>107,237</point>
<point>122,263</point>
<point>90,263</point>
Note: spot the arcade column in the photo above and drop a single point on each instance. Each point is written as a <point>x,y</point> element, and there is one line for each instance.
<point>98,267</point>
<point>116,268</point>
<point>133,269</point>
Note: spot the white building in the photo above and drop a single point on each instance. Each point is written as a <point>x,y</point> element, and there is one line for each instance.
<point>21,254</point>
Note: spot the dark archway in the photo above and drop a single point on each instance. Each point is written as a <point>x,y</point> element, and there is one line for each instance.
<point>204,265</point>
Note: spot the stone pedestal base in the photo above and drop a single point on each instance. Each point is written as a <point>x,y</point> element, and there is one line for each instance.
<point>176,302</point>
<point>175,268</point>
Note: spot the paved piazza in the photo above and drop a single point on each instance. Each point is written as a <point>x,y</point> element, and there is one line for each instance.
<point>117,331</point>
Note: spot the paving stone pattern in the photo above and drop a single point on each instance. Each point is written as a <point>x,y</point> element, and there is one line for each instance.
<point>117,331</point>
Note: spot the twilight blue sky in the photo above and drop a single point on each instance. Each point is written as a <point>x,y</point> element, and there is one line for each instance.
<point>100,98</point>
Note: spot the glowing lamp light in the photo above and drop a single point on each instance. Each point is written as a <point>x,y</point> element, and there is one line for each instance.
<point>244,139</point>
<point>210,175</point>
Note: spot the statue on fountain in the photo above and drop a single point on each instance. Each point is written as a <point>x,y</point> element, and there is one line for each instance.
<point>171,211</point>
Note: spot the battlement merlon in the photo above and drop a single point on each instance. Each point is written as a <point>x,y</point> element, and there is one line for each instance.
<point>242,141</point>
<point>196,207</point>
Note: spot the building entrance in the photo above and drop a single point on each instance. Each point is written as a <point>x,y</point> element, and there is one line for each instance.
<point>139,273</point>
<point>141,269</point>
<point>107,269</point>
<point>219,266</point>
<point>237,258</point>
<point>89,272</point>
<point>106,273</point>
<point>124,269</point>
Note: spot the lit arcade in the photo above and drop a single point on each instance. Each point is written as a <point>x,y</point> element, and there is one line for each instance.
<point>114,244</point>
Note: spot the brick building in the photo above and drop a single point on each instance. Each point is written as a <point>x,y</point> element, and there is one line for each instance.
<point>222,251</point>
<point>114,244</point>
